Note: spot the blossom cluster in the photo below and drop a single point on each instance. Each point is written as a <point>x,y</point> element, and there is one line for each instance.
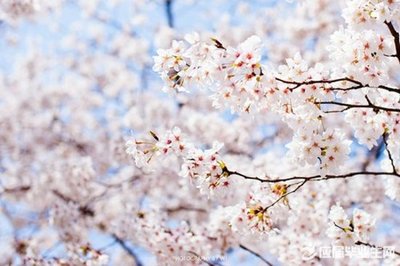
<point>256,214</point>
<point>348,231</point>
<point>208,172</point>
<point>366,13</point>
<point>329,151</point>
<point>204,167</point>
<point>362,55</point>
<point>237,72</point>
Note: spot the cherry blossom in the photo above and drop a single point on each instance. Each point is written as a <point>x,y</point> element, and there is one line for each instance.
<point>199,132</point>
<point>349,231</point>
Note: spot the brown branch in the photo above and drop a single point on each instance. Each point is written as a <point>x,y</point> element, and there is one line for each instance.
<point>389,153</point>
<point>184,208</point>
<point>286,194</point>
<point>352,106</point>
<point>396,37</point>
<point>358,85</point>
<point>337,111</point>
<point>314,177</point>
<point>16,189</point>
<point>62,196</point>
<point>256,254</point>
<point>246,176</point>
<point>376,247</point>
<point>84,210</point>
<point>310,82</point>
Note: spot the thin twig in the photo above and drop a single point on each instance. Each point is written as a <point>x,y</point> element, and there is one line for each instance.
<point>185,208</point>
<point>377,247</point>
<point>285,195</point>
<point>256,254</point>
<point>16,189</point>
<point>389,153</point>
<point>352,106</point>
<point>128,250</point>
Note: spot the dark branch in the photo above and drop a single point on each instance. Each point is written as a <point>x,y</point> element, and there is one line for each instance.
<point>256,254</point>
<point>16,189</point>
<point>376,247</point>
<point>305,179</point>
<point>310,82</point>
<point>352,106</point>
<point>358,84</point>
<point>337,111</point>
<point>314,177</point>
<point>245,176</point>
<point>128,250</point>
<point>62,196</point>
<point>341,228</point>
<point>396,37</point>
<point>185,208</point>
<point>168,10</point>
<point>83,209</point>
<point>389,153</point>
<point>286,194</point>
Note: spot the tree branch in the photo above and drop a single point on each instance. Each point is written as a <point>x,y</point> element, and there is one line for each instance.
<point>246,176</point>
<point>256,254</point>
<point>83,209</point>
<point>314,177</point>
<point>168,10</point>
<point>396,37</point>
<point>310,82</point>
<point>389,153</point>
<point>358,84</point>
<point>128,250</point>
<point>285,195</point>
<point>352,106</point>
<point>304,180</point>
<point>359,243</point>
<point>185,208</point>
<point>16,189</point>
